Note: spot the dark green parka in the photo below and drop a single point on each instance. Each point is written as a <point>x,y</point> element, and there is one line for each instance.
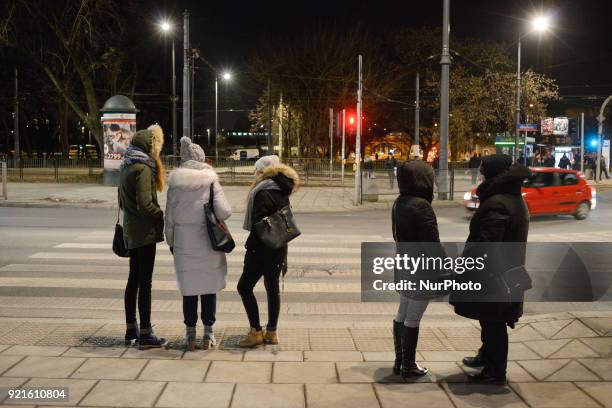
<point>143,219</point>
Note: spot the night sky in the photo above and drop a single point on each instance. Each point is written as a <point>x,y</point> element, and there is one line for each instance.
<point>228,33</point>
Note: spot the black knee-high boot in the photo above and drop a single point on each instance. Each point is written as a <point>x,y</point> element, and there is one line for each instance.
<point>397,342</point>
<point>410,368</point>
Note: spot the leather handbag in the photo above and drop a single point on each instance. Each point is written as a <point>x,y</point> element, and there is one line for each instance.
<point>277,229</point>
<point>119,247</point>
<point>218,232</point>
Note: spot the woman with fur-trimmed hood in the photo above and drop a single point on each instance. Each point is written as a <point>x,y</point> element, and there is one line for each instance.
<point>274,183</point>
<point>200,270</point>
<point>142,176</point>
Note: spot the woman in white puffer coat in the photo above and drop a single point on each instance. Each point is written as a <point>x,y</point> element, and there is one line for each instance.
<point>200,270</point>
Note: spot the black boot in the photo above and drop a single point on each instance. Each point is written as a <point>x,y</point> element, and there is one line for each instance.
<point>474,362</point>
<point>397,342</point>
<point>487,377</point>
<point>149,340</point>
<point>410,368</point>
<point>131,333</point>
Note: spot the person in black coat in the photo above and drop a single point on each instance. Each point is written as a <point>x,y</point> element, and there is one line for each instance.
<point>473,166</point>
<point>501,217</point>
<point>413,220</point>
<point>274,183</point>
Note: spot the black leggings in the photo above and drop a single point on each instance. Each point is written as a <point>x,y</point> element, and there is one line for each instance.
<point>139,285</point>
<point>256,265</point>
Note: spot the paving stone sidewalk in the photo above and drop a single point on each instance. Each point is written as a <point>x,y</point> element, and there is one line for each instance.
<point>555,361</point>
<point>307,199</point>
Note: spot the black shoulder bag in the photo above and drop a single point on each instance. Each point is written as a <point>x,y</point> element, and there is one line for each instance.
<point>277,229</point>
<point>119,247</point>
<point>219,234</point>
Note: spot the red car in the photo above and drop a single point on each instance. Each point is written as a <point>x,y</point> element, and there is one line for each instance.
<point>552,191</point>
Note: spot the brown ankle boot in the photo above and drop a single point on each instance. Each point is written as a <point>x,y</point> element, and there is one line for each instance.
<point>270,337</point>
<point>253,339</point>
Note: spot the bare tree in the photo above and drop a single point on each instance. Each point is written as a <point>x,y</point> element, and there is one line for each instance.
<point>71,41</point>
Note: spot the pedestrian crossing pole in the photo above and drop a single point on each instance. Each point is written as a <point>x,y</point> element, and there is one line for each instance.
<point>582,142</point>
<point>343,143</point>
<point>331,143</point>
<point>358,135</point>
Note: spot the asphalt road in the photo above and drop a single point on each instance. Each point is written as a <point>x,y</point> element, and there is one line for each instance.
<point>37,238</point>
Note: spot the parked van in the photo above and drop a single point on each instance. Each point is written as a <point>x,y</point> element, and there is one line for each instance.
<point>245,154</point>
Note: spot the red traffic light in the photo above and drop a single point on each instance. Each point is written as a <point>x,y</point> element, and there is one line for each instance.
<point>351,120</point>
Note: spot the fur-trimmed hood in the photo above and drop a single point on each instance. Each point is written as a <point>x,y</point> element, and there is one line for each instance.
<point>192,178</point>
<point>286,177</point>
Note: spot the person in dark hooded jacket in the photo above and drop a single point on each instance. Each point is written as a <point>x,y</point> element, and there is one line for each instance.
<point>501,217</point>
<point>413,220</point>
<point>274,183</point>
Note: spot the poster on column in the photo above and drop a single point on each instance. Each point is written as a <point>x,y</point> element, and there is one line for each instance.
<point>605,152</point>
<point>118,128</point>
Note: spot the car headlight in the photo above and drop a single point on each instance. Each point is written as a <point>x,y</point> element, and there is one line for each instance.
<point>467,196</point>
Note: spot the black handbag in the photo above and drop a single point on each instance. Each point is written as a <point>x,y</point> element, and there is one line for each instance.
<point>277,229</point>
<point>119,247</point>
<point>220,236</point>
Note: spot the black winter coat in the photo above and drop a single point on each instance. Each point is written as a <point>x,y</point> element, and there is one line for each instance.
<point>501,217</point>
<point>413,219</point>
<point>265,203</point>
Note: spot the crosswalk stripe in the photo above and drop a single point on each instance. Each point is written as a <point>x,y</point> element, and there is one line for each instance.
<point>90,256</point>
<point>238,249</point>
<point>290,286</point>
<point>105,269</point>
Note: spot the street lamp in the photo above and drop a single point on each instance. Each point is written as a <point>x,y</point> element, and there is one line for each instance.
<point>226,76</point>
<point>539,24</point>
<point>166,28</point>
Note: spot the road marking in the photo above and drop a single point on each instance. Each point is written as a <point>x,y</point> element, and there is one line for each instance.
<point>290,286</point>
<point>90,256</point>
<point>238,249</point>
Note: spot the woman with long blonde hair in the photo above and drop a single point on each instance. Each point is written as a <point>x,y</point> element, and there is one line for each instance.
<point>142,176</point>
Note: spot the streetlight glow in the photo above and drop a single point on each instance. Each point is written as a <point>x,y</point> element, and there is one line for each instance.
<point>540,23</point>
<point>165,26</point>
<point>227,76</point>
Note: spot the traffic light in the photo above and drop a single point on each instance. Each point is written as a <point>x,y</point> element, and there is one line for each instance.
<point>351,120</point>
<point>573,131</point>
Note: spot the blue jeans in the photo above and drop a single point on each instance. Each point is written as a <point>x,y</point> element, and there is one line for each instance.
<point>209,309</point>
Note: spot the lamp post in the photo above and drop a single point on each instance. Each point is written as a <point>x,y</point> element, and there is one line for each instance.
<point>166,28</point>
<point>539,24</point>
<point>226,77</point>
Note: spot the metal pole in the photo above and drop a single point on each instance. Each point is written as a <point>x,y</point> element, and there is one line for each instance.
<point>600,119</point>
<point>174,130</point>
<point>525,142</point>
<point>518,100</point>
<point>4,177</point>
<point>358,137</point>
<point>582,142</point>
<point>444,96</point>
<point>331,142</point>
<point>280,128</point>
<point>16,121</point>
<point>343,133</point>
<point>186,77</point>
<point>216,117</point>
<point>270,141</point>
<point>417,108</point>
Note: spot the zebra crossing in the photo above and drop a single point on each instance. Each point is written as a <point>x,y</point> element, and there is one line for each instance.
<point>81,278</point>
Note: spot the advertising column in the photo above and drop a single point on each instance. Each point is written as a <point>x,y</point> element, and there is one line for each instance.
<point>118,126</point>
